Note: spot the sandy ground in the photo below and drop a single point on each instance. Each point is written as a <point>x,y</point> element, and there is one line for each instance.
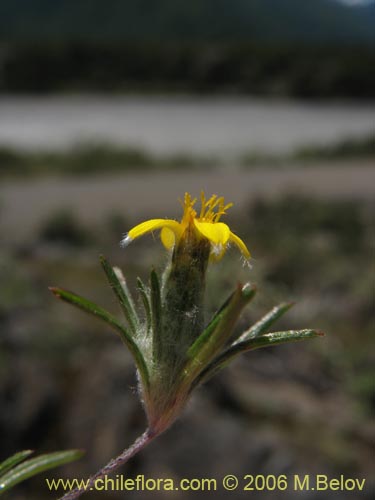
<point>24,204</point>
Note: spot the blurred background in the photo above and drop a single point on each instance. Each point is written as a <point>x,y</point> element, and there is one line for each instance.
<point>109,112</point>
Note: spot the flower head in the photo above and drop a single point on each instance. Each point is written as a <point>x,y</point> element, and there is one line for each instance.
<point>206,226</point>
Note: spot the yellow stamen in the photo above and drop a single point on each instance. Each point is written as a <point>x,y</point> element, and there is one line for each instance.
<point>207,225</point>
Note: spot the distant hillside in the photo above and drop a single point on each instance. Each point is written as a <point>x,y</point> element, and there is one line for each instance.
<point>186,20</point>
<point>303,48</point>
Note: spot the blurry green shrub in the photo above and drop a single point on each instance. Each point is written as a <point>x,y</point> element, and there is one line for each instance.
<point>272,68</point>
<point>346,148</point>
<point>92,158</point>
<point>11,161</point>
<point>63,227</point>
<point>311,238</point>
<point>342,221</point>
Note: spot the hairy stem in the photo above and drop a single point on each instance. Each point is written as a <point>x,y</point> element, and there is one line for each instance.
<point>112,465</point>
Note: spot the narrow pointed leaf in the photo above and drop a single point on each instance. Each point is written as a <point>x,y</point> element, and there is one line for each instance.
<point>156,315</point>
<point>266,340</point>
<point>265,323</point>
<point>222,307</point>
<point>118,285</point>
<point>146,301</point>
<point>232,307</point>
<point>101,313</point>
<point>212,323</point>
<point>13,461</point>
<point>35,466</point>
<point>214,337</point>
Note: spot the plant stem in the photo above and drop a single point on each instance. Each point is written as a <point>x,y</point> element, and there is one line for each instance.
<point>140,443</point>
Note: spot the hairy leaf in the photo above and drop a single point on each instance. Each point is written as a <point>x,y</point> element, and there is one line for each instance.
<point>118,284</point>
<point>13,461</point>
<point>265,340</point>
<point>156,315</point>
<point>101,313</point>
<point>35,466</point>
<point>264,323</point>
<point>214,337</point>
<point>146,301</point>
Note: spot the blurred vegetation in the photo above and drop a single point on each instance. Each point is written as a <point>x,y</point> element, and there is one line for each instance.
<point>63,228</point>
<point>177,20</point>
<point>272,68</point>
<point>103,158</point>
<point>91,159</point>
<point>320,49</point>
<point>347,148</point>
<point>343,150</point>
<point>260,47</point>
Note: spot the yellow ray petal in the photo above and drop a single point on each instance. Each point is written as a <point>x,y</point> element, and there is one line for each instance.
<point>151,225</point>
<point>218,233</point>
<point>168,238</point>
<point>217,252</point>
<point>240,244</point>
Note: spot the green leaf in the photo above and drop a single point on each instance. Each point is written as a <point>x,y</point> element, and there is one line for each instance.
<point>118,284</point>
<point>264,323</point>
<point>265,340</point>
<point>13,461</point>
<point>275,338</point>
<point>35,466</point>
<point>143,292</point>
<point>156,315</point>
<point>101,313</point>
<point>217,315</point>
<point>214,337</point>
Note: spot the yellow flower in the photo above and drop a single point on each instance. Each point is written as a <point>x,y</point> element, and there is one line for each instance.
<point>206,225</point>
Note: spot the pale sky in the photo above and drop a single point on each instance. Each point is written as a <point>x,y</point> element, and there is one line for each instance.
<point>354,2</point>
